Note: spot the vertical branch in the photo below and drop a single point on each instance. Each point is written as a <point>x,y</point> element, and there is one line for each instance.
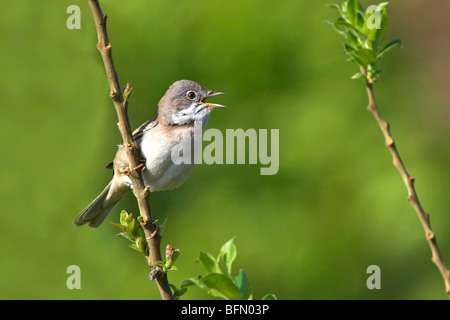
<point>150,229</point>
<point>409,182</point>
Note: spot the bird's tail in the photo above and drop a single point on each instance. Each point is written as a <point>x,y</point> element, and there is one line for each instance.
<point>97,210</point>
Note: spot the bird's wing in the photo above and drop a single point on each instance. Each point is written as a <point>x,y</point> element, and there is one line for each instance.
<point>138,133</point>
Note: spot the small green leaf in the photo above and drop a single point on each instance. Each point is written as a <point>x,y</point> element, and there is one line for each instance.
<point>243,284</point>
<point>360,18</point>
<point>141,219</point>
<point>382,31</point>
<point>172,255</point>
<point>269,296</point>
<point>388,47</point>
<point>134,246</point>
<point>125,235</point>
<point>363,57</point>
<point>338,30</point>
<point>335,6</point>
<point>228,254</point>
<point>182,291</point>
<point>142,245</point>
<point>352,41</point>
<point>177,293</point>
<point>123,217</point>
<point>118,226</point>
<point>358,75</point>
<point>221,286</point>
<point>383,5</point>
<point>340,24</point>
<point>209,262</point>
<point>376,25</point>
<point>188,282</point>
<point>352,10</point>
<point>344,6</point>
<point>133,229</point>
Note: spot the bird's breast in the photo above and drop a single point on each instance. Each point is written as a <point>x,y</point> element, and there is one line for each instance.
<point>160,147</point>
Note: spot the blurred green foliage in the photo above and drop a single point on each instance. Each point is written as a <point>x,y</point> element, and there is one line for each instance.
<point>336,206</point>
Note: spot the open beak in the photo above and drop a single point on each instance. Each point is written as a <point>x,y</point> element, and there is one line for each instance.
<point>212,105</point>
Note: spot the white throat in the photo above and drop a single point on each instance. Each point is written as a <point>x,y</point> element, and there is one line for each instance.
<point>196,112</point>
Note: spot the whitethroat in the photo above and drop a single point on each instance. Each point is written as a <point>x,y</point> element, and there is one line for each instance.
<point>183,104</point>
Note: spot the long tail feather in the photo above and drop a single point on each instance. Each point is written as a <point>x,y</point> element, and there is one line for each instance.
<point>97,211</point>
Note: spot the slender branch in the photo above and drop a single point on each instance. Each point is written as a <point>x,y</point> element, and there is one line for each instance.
<point>150,229</point>
<point>409,182</point>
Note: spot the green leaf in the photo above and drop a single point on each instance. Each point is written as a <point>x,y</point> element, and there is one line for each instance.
<point>125,218</point>
<point>188,282</point>
<point>243,284</point>
<point>182,291</point>
<point>352,10</point>
<point>352,41</point>
<point>228,254</point>
<point>133,229</point>
<point>379,37</point>
<point>335,6</point>
<point>171,255</point>
<point>177,293</point>
<point>269,296</point>
<point>344,7</point>
<point>140,219</point>
<point>134,246</point>
<point>142,245</point>
<point>358,75</point>
<point>344,26</point>
<point>125,235</point>
<point>209,262</point>
<point>363,57</point>
<point>118,226</point>
<point>338,30</point>
<point>360,18</point>
<point>388,47</point>
<point>173,287</point>
<point>383,5</point>
<point>376,25</point>
<point>221,286</point>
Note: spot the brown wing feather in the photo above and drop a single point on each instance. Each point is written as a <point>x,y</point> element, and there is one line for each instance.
<point>138,133</point>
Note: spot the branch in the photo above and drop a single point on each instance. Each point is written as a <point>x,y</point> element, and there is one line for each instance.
<point>150,229</point>
<point>409,182</point>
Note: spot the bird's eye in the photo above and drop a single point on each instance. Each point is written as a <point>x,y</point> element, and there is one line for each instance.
<point>191,95</point>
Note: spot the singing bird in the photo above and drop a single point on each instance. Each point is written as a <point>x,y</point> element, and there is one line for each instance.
<point>183,105</point>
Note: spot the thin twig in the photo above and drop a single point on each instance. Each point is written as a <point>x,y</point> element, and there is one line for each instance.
<point>409,182</point>
<point>150,229</point>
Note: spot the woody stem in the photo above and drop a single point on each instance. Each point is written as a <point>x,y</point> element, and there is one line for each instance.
<point>150,229</point>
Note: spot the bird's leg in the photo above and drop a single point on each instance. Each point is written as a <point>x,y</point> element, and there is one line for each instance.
<point>126,170</point>
<point>140,166</point>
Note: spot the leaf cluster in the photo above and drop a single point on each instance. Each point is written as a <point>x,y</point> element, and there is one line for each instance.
<point>363,31</point>
<point>219,280</point>
<point>131,230</point>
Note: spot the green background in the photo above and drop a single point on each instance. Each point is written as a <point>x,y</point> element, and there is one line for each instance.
<point>336,206</point>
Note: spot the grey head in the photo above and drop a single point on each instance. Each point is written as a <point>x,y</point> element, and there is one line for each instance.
<point>184,103</point>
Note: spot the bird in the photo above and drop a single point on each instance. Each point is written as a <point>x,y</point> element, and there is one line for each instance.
<point>182,106</point>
